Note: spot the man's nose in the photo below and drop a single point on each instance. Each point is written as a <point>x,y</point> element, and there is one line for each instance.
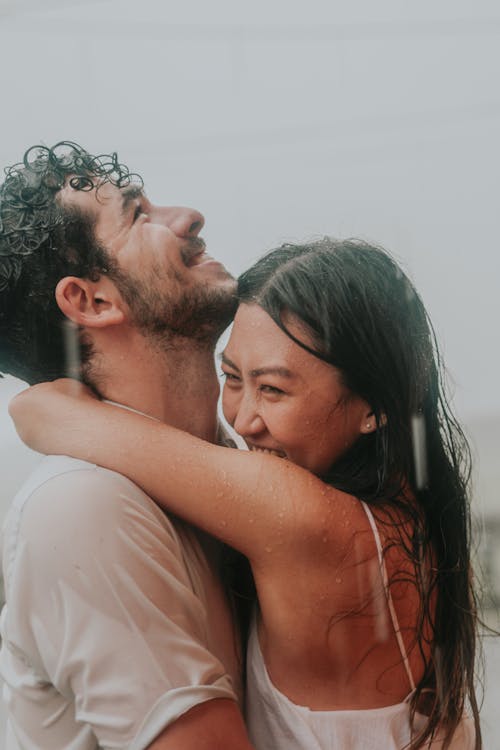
<point>183,221</point>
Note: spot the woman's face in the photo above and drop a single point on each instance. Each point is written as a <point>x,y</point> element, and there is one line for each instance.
<point>285,401</point>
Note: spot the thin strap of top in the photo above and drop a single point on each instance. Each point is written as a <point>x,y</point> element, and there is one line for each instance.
<point>390,603</point>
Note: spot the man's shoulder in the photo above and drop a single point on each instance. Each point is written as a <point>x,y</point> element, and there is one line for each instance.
<point>79,509</point>
<point>77,493</point>
<point>56,473</point>
<point>50,467</point>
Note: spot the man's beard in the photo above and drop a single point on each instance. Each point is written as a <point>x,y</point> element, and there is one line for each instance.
<point>199,314</point>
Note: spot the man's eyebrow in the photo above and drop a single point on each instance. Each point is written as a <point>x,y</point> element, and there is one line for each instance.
<point>130,194</point>
<point>284,372</point>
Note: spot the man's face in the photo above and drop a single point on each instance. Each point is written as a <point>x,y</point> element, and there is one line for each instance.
<point>170,284</point>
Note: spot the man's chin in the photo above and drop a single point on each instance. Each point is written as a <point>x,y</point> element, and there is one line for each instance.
<point>201,315</point>
<point>213,273</point>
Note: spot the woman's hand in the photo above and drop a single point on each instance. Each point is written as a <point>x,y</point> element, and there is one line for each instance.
<point>44,413</point>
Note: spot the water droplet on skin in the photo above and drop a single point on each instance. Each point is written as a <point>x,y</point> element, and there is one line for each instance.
<point>325,539</point>
<point>268,549</point>
<point>338,580</point>
<point>223,523</point>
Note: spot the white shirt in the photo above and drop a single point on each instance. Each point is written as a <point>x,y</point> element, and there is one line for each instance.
<point>115,624</point>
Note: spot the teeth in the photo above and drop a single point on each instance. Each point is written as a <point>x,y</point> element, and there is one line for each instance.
<point>280,454</point>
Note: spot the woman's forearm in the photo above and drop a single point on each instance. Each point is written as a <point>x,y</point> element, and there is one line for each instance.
<point>253,502</point>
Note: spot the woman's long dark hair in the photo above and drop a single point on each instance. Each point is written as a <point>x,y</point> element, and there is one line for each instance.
<point>366,319</point>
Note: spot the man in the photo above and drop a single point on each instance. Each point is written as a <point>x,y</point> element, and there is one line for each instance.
<point>116,631</point>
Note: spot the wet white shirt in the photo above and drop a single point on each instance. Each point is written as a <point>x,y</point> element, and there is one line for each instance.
<point>115,624</point>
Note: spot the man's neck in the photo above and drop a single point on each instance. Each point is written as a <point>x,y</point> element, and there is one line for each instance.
<point>179,387</point>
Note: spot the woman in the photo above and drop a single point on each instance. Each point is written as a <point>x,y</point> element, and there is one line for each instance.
<point>364,634</point>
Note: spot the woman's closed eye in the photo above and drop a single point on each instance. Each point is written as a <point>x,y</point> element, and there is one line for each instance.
<point>271,390</point>
<point>230,377</point>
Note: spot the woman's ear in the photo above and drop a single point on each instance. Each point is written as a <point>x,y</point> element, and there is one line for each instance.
<point>92,304</point>
<point>369,422</point>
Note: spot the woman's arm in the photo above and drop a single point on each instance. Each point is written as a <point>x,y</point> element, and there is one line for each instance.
<point>253,502</point>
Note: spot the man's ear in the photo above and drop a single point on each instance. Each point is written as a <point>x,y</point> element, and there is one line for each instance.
<point>93,304</point>
<point>369,423</point>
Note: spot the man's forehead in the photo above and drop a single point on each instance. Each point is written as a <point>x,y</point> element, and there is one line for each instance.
<point>103,193</point>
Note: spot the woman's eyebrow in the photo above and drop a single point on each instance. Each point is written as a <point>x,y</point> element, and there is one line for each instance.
<point>227,361</point>
<point>284,372</point>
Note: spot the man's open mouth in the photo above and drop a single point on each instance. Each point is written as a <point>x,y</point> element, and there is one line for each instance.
<point>192,250</point>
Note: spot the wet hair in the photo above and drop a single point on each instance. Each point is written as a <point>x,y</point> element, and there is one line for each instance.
<point>364,317</point>
<point>41,242</point>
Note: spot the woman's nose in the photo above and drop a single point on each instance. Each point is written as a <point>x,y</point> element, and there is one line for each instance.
<point>248,420</point>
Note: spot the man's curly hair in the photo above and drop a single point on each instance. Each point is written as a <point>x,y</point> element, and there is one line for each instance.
<point>41,241</point>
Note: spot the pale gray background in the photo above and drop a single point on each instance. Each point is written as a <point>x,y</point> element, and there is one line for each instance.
<point>286,120</point>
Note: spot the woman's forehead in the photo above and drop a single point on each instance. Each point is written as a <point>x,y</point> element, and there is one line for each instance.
<point>256,341</point>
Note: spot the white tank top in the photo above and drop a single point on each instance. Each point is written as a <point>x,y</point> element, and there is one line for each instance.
<point>275,723</point>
